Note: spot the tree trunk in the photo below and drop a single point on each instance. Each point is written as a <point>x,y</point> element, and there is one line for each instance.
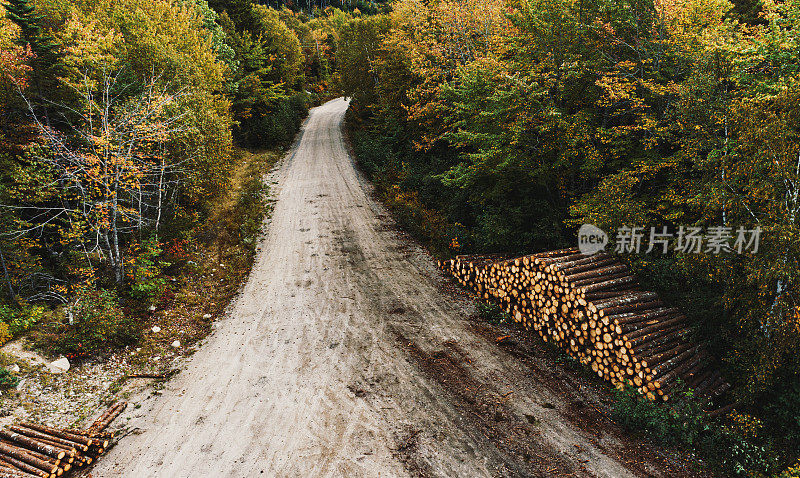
<point>5,275</point>
<point>116,254</point>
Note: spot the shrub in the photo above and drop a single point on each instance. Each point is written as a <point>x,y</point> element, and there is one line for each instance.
<point>5,333</point>
<point>95,325</point>
<point>782,416</point>
<point>15,321</point>
<point>734,449</point>
<point>680,425</point>
<point>25,319</point>
<point>6,379</point>
<point>145,270</point>
<point>276,128</point>
<point>6,313</point>
<point>735,454</point>
<point>492,313</point>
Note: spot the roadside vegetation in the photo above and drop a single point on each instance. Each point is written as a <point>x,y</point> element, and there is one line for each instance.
<point>503,126</point>
<point>134,142</point>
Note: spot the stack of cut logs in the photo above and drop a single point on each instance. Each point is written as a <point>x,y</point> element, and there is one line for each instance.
<point>29,450</point>
<point>593,308</point>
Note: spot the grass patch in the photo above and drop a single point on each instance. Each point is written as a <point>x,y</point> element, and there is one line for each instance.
<point>492,313</point>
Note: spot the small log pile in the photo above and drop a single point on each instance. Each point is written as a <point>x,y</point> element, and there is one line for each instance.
<point>30,450</point>
<point>593,308</point>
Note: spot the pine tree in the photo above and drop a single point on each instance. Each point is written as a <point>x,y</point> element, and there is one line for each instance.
<point>46,62</point>
<point>23,13</point>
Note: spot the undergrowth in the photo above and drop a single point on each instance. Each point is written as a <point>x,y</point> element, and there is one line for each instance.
<point>178,283</point>
<point>492,313</point>
<point>732,445</point>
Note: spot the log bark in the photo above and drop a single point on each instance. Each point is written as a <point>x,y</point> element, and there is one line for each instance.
<point>103,422</point>
<point>14,455</point>
<point>44,436</point>
<point>59,433</point>
<point>12,470</point>
<point>33,444</point>
<point>592,273</point>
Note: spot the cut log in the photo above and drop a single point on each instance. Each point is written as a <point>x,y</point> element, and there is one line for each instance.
<point>15,456</point>
<point>33,444</point>
<point>58,433</point>
<point>75,446</point>
<point>591,307</point>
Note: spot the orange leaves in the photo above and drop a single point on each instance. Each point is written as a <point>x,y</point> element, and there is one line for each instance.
<point>694,24</point>
<point>437,39</point>
<point>14,65</point>
<point>615,89</point>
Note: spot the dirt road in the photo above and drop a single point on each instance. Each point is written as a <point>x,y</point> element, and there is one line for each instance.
<point>343,356</point>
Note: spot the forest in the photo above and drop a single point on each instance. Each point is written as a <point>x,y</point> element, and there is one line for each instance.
<point>496,126</point>
<point>133,140</point>
<point>120,124</point>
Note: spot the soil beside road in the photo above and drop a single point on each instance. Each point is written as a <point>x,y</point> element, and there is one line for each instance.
<point>348,354</point>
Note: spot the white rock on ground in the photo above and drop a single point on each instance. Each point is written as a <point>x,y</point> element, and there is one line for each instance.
<point>176,344</point>
<point>13,368</point>
<point>156,329</point>
<point>59,366</point>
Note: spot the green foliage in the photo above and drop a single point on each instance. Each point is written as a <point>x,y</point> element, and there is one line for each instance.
<point>520,120</point>
<point>378,158</point>
<point>241,12</point>
<point>376,153</point>
<point>25,319</point>
<point>225,53</point>
<point>145,269</point>
<point>492,313</point>
<point>664,424</point>
<point>357,36</point>
<point>45,59</point>
<point>23,13</point>
<point>683,423</point>
<point>782,416</point>
<point>277,125</point>
<point>267,85</point>
<point>95,325</point>
<point>282,47</point>
<point>218,69</point>
<point>19,319</point>
<point>366,7</point>
<point>736,455</point>
<point>7,380</point>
